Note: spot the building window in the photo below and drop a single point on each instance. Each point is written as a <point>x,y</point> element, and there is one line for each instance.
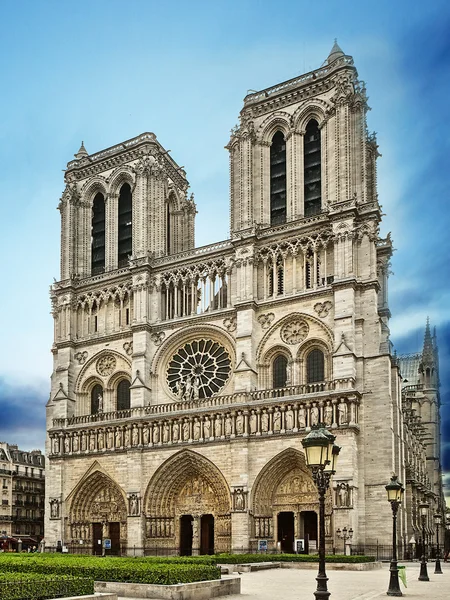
<point>168,232</point>
<point>277,278</point>
<point>96,399</point>
<point>315,366</point>
<point>312,169</point>
<point>279,371</point>
<point>123,395</point>
<point>98,235</point>
<point>278,179</point>
<point>125,225</point>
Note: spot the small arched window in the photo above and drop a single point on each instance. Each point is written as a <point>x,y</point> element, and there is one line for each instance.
<point>315,366</point>
<point>123,395</point>
<point>168,229</point>
<point>278,288</point>
<point>125,246</point>
<point>98,235</point>
<point>278,179</point>
<point>279,371</point>
<point>312,169</point>
<point>96,399</point>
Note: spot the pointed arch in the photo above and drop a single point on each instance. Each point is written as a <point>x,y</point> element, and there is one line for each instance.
<point>97,497</point>
<point>271,476</point>
<point>172,476</point>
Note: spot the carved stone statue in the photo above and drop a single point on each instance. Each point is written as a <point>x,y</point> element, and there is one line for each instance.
<point>264,422</point>
<point>166,432</point>
<point>253,422</point>
<point>302,417</point>
<point>206,428</point>
<point>100,402</point>
<point>314,415</point>
<point>156,434</point>
<point>217,427</point>
<point>228,425</point>
<point>342,412</point>
<point>196,387</point>
<point>175,431</point>
<point>186,431</point>
<point>118,436</point>
<point>126,442</point>
<point>196,429</point>
<point>134,505</point>
<point>54,509</point>
<point>328,414</point>
<point>56,445</point>
<point>239,500</point>
<point>343,494</point>
<point>145,435</point>
<point>135,436</point>
<point>289,419</point>
<point>277,420</point>
<point>239,424</point>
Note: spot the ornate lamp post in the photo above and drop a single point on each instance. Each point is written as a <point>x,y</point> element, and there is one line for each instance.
<point>345,535</point>
<point>438,521</point>
<point>394,491</point>
<point>423,507</point>
<point>321,455</point>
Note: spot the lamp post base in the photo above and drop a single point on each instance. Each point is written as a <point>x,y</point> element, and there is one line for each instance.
<point>423,570</point>
<point>394,584</point>
<point>437,568</point>
<point>322,592</point>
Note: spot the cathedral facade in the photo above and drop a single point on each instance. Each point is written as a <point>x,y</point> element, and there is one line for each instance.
<point>186,378</point>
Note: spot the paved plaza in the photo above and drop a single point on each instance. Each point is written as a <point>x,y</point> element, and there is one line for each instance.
<point>299,584</point>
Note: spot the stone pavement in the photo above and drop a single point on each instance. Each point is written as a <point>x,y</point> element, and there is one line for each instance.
<point>299,584</point>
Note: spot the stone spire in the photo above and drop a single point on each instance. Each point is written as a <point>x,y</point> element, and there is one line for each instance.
<point>428,347</point>
<point>336,52</point>
<point>81,152</point>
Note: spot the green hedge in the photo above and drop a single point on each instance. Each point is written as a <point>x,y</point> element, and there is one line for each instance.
<point>250,558</point>
<point>35,586</point>
<point>127,570</point>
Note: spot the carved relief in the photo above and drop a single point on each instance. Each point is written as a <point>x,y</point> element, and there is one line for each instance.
<point>158,337</point>
<point>266,320</point>
<point>81,357</point>
<point>294,332</point>
<point>230,323</point>
<point>133,505</point>
<point>54,508</point>
<point>323,308</point>
<point>239,499</point>
<point>128,347</point>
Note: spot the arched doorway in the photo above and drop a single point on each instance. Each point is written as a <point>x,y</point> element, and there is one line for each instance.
<point>188,506</point>
<point>97,512</point>
<point>285,503</point>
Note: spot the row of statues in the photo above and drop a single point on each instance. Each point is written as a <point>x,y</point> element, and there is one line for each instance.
<point>209,427</point>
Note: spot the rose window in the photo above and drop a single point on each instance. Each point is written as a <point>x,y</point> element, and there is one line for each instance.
<point>106,365</point>
<point>199,369</point>
<point>295,332</point>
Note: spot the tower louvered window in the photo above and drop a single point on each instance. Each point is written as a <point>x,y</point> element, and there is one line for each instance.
<point>278,179</point>
<point>123,395</point>
<point>312,169</point>
<point>280,371</point>
<point>315,366</point>
<point>98,235</point>
<point>125,225</point>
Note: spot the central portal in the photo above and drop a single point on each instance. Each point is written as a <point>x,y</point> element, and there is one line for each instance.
<point>286,531</point>
<point>207,534</point>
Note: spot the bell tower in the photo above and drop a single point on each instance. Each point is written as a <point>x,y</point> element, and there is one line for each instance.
<point>301,147</point>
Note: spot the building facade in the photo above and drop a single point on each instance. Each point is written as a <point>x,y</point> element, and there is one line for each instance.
<point>23,497</point>
<point>186,378</point>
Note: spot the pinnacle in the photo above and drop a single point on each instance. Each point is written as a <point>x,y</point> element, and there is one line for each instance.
<point>336,52</point>
<point>428,342</point>
<point>81,152</point>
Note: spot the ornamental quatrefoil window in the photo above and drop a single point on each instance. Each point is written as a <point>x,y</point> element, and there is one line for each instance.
<point>199,369</point>
<point>295,331</point>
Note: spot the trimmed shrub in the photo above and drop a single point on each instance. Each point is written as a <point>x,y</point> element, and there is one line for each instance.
<point>250,558</point>
<point>128,570</point>
<point>35,586</point>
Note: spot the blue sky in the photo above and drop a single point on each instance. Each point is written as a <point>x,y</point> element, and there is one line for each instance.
<point>104,71</point>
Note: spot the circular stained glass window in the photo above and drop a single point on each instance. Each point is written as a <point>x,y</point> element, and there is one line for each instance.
<point>199,369</point>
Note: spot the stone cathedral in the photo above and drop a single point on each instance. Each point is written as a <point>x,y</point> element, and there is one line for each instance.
<point>186,378</point>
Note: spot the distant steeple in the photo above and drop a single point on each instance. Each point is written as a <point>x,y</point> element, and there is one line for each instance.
<point>81,152</point>
<point>428,347</point>
<point>336,52</point>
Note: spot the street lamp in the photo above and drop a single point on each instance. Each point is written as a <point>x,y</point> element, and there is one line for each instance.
<point>321,457</point>
<point>438,521</point>
<point>345,535</point>
<point>394,491</point>
<point>423,507</point>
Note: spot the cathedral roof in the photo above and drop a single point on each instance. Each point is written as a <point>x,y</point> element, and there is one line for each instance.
<point>336,52</point>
